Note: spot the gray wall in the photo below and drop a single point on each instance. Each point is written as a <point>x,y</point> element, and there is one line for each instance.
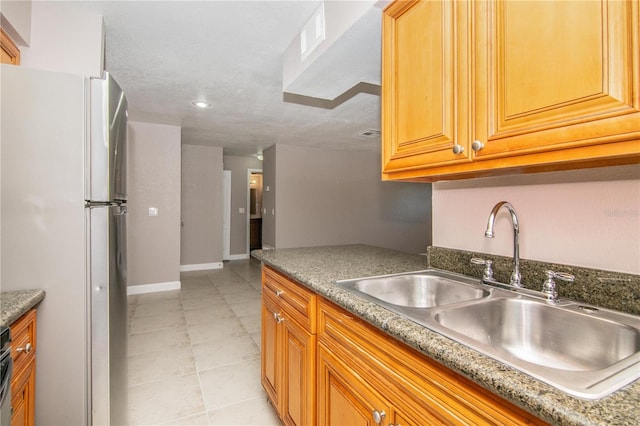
<point>153,243</point>
<point>327,197</point>
<point>239,193</point>
<point>269,197</point>
<point>201,241</point>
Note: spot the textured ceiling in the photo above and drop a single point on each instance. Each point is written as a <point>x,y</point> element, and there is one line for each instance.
<point>166,54</point>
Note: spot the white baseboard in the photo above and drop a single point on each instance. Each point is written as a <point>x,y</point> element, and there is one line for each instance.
<point>238,256</point>
<point>153,288</point>
<point>200,267</point>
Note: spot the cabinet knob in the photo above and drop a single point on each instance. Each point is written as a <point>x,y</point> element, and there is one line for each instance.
<point>378,416</point>
<point>458,149</point>
<point>279,293</point>
<point>27,348</point>
<point>477,146</point>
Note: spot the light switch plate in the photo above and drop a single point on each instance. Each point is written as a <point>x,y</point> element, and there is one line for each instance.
<point>241,210</point>
<point>153,211</point>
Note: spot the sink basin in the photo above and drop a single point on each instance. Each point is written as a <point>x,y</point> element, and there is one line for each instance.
<point>584,351</point>
<point>424,289</point>
<point>544,334</point>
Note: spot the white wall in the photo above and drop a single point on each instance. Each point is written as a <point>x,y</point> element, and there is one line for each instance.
<point>588,218</point>
<point>309,75</point>
<point>16,20</point>
<point>154,166</point>
<point>65,39</point>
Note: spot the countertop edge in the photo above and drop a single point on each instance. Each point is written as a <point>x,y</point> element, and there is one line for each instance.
<point>541,400</point>
<point>14,304</point>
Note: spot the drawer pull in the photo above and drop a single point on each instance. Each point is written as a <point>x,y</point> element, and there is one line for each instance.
<point>27,348</point>
<point>277,317</point>
<point>279,293</point>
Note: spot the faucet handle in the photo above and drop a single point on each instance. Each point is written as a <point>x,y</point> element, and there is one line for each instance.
<point>487,273</point>
<point>549,286</point>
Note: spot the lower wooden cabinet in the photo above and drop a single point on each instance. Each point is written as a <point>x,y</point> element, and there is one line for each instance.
<point>323,365</point>
<point>363,372</point>
<point>288,350</point>
<point>345,399</point>
<point>22,396</point>
<point>23,383</point>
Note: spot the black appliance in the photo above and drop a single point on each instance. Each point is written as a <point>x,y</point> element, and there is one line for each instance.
<point>6,368</point>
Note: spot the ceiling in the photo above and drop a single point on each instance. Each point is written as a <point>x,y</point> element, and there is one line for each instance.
<point>167,54</point>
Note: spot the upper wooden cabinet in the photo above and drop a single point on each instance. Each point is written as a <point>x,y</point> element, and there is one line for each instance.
<point>425,84</point>
<point>539,85</point>
<point>9,51</point>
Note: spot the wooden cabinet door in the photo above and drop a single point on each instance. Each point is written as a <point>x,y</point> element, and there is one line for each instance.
<point>342,399</point>
<point>425,84</point>
<point>23,352</point>
<point>297,395</point>
<point>556,81</point>
<point>9,51</point>
<point>271,352</point>
<point>23,390</point>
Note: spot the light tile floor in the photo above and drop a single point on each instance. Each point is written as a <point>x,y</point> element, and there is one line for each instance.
<point>194,353</point>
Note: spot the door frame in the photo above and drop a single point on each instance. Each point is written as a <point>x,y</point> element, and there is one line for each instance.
<point>248,210</point>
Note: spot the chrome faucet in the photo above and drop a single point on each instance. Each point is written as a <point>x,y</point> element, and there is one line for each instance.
<point>515,275</point>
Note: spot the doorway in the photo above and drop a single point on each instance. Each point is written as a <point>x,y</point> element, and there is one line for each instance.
<point>254,207</point>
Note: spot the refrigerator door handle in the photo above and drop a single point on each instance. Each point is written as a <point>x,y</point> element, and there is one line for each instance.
<point>99,204</point>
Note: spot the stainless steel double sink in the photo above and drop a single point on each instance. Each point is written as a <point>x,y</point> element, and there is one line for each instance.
<point>585,351</point>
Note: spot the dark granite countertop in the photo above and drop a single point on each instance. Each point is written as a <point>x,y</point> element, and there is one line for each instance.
<point>14,304</point>
<point>318,268</point>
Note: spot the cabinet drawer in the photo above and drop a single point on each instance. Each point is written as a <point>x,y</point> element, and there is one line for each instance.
<point>298,302</point>
<point>23,340</point>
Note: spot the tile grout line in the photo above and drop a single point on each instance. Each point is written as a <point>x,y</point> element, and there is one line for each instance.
<point>227,281</point>
<point>202,395</point>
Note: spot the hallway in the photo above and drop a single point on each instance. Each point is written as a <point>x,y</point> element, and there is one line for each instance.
<point>194,356</point>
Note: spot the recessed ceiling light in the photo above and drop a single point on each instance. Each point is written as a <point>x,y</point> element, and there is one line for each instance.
<point>201,104</point>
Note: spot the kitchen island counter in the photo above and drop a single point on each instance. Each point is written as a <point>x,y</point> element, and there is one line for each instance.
<point>319,267</point>
<point>14,304</point>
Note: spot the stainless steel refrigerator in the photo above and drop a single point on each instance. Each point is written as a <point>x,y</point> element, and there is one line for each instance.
<point>63,229</point>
